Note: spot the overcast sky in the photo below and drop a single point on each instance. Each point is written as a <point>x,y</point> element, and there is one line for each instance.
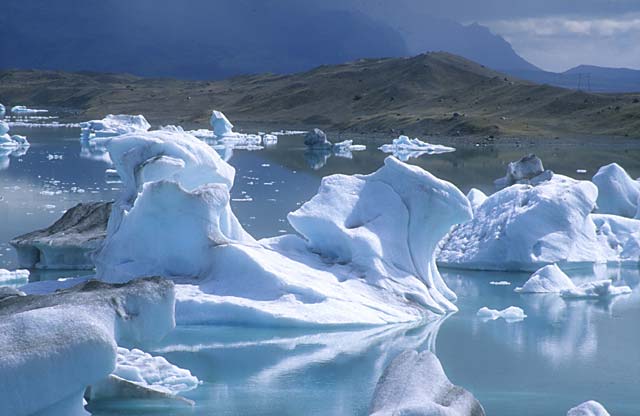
<point>552,34</point>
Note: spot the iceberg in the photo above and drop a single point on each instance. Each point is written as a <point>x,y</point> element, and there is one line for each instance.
<point>67,244</point>
<point>317,139</point>
<point>3,111</point>
<point>548,279</point>
<point>510,314</point>
<point>139,375</point>
<point>23,110</point>
<point>13,278</point>
<point>528,170</point>
<point>366,256</point>
<point>416,384</point>
<point>113,125</point>
<point>590,408</point>
<point>618,193</point>
<point>476,197</point>
<point>600,289</point>
<point>220,124</point>
<point>405,148</point>
<point>11,142</point>
<point>524,227</point>
<point>54,346</point>
<point>619,236</point>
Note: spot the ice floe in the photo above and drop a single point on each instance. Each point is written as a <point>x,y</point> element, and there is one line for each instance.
<point>600,289</point>
<point>139,375</point>
<point>415,384</point>
<point>67,244</point>
<point>510,314</point>
<point>371,269</point>
<point>528,170</point>
<point>13,278</point>
<point>405,148</point>
<point>548,279</point>
<point>114,125</point>
<point>11,142</point>
<point>618,193</point>
<point>60,343</point>
<point>589,408</point>
<point>22,110</point>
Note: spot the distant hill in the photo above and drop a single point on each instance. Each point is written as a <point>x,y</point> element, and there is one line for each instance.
<point>435,93</point>
<point>587,78</point>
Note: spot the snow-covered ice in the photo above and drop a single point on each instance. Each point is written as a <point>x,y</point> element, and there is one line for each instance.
<point>59,344</point>
<point>476,197</point>
<point>548,279</point>
<point>22,110</point>
<point>113,125</point>
<point>618,193</point>
<point>404,148</point>
<point>415,384</point>
<point>367,265</point>
<point>589,408</point>
<point>510,314</point>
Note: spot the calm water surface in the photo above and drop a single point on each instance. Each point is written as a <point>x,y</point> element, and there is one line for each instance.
<point>564,353</point>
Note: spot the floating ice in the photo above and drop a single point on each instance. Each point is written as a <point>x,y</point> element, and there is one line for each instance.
<point>416,384</point>
<point>528,170</point>
<point>114,125</point>
<point>174,219</point>
<point>500,283</point>
<point>590,408</point>
<point>524,227</point>
<point>16,277</point>
<point>510,314</point>
<point>476,197</point>
<point>601,289</point>
<point>63,342</point>
<point>139,375</point>
<point>11,142</point>
<point>67,244</point>
<point>54,157</point>
<point>220,124</point>
<point>317,139</point>
<point>618,193</point>
<point>548,279</point>
<point>3,111</point>
<point>22,110</point>
<point>404,148</point>
<point>619,236</point>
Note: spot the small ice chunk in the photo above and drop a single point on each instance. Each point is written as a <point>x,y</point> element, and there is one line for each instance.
<point>597,289</point>
<point>51,156</point>
<point>16,277</point>
<point>548,279</point>
<point>405,144</point>
<point>581,171</point>
<point>590,408</point>
<point>500,283</point>
<point>510,314</point>
<point>23,110</point>
<point>269,139</point>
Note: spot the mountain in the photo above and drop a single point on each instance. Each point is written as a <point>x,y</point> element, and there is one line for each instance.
<point>435,93</point>
<point>587,78</point>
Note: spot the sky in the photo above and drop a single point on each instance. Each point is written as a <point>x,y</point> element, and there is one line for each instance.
<point>552,34</point>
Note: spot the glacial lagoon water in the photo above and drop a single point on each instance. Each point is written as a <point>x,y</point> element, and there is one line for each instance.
<point>563,353</point>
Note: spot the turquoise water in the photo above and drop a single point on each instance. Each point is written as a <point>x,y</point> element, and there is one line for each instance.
<point>563,353</point>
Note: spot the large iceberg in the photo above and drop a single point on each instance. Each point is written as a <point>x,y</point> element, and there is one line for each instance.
<point>618,193</point>
<point>589,408</point>
<point>54,346</point>
<point>524,227</point>
<point>67,244</point>
<point>371,262</point>
<point>114,125</point>
<point>416,384</point>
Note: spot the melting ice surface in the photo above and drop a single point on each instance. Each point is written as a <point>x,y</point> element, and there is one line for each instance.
<point>564,353</point>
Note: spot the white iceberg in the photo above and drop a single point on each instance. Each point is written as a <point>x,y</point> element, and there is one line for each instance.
<point>590,408</point>
<point>13,278</point>
<point>220,124</point>
<point>11,142</point>
<point>619,236</point>
<point>416,384</point>
<point>510,314</point>
<point>404,148</point>
<point>113,125</point>
<point>23,110</point>
<point>548,279</point>
<point>524,227</point>
<point>618,193</point>
<point>139,375</point>
<point>54,346</point>
<point>374,264</point>
<point>600,289</point>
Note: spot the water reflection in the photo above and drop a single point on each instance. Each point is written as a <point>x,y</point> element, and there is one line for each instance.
<point>90,151</point>
<point>6,154</point>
